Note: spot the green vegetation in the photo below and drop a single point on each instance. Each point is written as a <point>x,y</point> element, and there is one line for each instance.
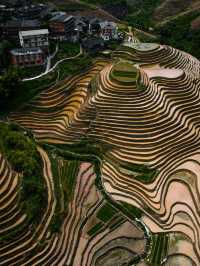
<point>5,46</point>
<point>178,33</point>
<point>124,72</point>
<point>75,66</point>
<point>14,93</point>
<point>68,6</point>
<point>94,230</point>
<point>107,4</point>
<point>112,45</point>
<point>69,175</point>
<point>141,15</point>
<point>29,72</point>
<point>118,8</point>
<point>143,172</point>
<point>22,92</point>
<point>64,181</point>
<point>104,2</point>
<point>13,233</point>
<point>132,210</point>
<point>141,86</point>
<point>141,12</point>
<point>116,223</point>
<point>66,49</point>
<point>93,85</point>
<point>56,222</point>
<point>90,151</point>
<point>85,146</point>
<point>125,68</point>
<point>144,37</point>
<point>106,213</point>
<point>10,85</point>
<point>159,249</point>
<point>21,152</point>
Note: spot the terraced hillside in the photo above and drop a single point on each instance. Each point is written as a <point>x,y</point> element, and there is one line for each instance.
<point>78,227</point>
<point>120,151</point>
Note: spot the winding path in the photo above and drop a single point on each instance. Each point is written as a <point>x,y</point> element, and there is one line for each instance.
<point>49,68</point>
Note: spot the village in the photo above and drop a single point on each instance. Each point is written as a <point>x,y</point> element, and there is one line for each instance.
<point>31,34</point>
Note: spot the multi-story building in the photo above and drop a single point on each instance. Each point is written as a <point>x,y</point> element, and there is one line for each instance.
<point>62,27</point>
<point>34,38</point>
<point>10,29</point>
<point>108,30</point>
<point>25,57</point>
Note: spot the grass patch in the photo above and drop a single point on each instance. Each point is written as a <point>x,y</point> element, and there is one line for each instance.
<point>126,67</point>
<point>66,49</point>
<point>75,66</point>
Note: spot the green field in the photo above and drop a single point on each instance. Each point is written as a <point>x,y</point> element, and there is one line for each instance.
<point>106,213</point>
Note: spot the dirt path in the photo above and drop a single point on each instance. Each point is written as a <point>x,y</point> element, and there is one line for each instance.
<point>187,12</point>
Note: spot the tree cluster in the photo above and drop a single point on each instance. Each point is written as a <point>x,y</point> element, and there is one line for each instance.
<point>10,85</point>
<point>21,152</point>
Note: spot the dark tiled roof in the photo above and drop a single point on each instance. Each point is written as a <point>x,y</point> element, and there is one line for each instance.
<point>22,23</point>
<point>61,18</point>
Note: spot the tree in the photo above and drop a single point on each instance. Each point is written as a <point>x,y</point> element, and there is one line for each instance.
<point>10,84</point>
<point>5,47</point>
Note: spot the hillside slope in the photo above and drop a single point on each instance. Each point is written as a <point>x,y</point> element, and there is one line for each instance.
<point>175,22</point>
<point>170,8</point>
<point>137,115</point>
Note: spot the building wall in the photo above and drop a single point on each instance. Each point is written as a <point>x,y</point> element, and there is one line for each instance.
<point>35,41</point>
<point>57,28</point>
<point>62,30</point>
<point>27,60</point>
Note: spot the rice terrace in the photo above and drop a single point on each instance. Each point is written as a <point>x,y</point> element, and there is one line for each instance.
<point>103,166</point>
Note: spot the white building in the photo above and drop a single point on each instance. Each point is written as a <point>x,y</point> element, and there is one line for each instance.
<point>109,30</point>
<point>34,38</point>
